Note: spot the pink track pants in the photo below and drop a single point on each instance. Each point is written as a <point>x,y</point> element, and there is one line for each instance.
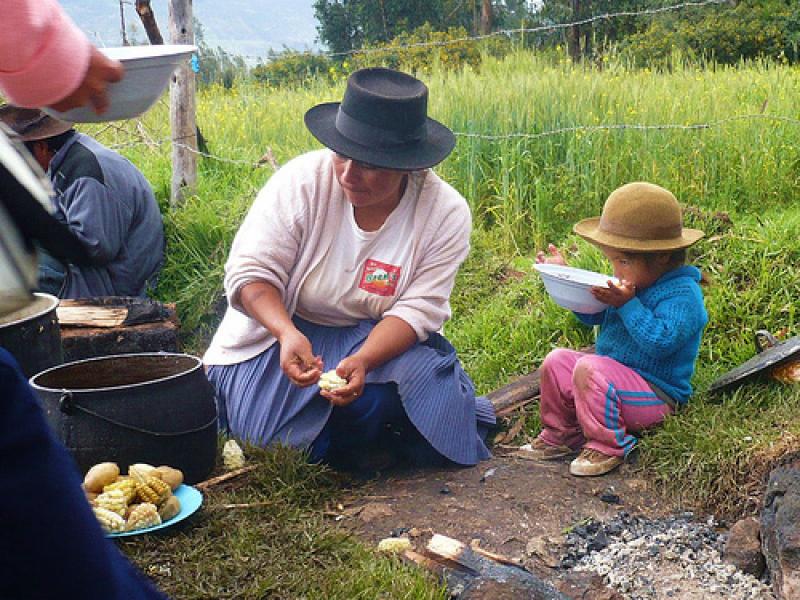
<point>593,401</point>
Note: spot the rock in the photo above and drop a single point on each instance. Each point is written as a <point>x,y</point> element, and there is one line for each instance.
<point>743,548</point>
<point>375,510</point>
<point>780,530</point>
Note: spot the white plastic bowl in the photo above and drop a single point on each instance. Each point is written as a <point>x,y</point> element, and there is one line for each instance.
<point>147,73</point>
<point>570,288</point>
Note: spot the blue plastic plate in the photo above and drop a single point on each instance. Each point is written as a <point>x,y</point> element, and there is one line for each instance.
<point>190,500</point>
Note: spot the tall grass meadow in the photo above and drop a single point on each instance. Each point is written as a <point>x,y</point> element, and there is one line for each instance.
<point>739,179</point>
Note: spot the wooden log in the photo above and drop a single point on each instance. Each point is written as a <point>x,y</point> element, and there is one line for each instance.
<point>519,392</point>
<point>516,394</point>
<point>112,311</point>
<point>88,342</point>
<point>182,108</point>
<point>478,574</point>
<point>90,316</point>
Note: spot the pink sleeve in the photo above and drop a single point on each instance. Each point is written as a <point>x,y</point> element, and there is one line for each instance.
<point>43,54</point>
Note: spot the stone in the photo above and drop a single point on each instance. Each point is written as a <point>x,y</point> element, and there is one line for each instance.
<point>780,530</point>
<point>743,548</point>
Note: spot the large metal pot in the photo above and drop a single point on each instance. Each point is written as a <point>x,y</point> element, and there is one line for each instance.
<point>155,408</point>
<point>33,336</point>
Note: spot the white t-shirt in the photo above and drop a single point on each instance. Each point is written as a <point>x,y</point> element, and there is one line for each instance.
<point>359,276</point>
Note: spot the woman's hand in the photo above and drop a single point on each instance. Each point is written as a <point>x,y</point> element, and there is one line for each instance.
<point>615,295</point>
<point>92,90</point>
<point>354,370</point>
<point>555,257</point>
<point>297,359</point>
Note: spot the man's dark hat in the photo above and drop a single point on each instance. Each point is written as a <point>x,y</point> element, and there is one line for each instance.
<point>31,124</point>
<point>382,121</point>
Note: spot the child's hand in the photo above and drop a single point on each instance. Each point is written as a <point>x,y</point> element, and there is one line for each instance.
<point>615,295</point>
<point>555,258</point>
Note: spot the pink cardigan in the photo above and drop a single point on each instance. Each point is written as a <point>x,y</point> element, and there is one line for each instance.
<point>291,226</point>
<point>43,54</point>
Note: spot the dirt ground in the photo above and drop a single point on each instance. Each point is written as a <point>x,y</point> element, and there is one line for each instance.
<point>515,507</point>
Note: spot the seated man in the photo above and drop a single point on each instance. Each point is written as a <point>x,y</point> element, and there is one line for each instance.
<point>106,202</point>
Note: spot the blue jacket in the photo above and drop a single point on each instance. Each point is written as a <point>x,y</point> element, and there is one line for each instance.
<point>106,201</point>
<point>657,333</point>
<point>51,544</point>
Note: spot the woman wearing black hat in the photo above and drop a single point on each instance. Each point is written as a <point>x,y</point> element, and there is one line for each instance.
<point>347,260</point>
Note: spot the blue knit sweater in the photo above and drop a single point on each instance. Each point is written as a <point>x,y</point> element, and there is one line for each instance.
<point>657,333</point>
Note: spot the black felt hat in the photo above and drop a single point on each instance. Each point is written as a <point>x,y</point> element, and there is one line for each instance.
<point>382,121</point>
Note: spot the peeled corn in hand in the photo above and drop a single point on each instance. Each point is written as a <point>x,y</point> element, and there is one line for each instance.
<point>331,381</point>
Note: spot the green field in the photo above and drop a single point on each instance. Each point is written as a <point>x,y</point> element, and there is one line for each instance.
<point>738,177</point>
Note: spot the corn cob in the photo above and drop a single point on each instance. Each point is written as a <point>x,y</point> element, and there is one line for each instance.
<point>144,515</point>
<point>232,455</point>
<point>127,486</point>
<point>140,471</point>
<point>331,381</point>
<point>114,501</point>
<point>153,490</point>
<point>109,520</point>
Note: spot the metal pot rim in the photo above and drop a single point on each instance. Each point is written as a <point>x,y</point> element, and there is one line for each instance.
<point>53,304</point>
<point>198,365</point>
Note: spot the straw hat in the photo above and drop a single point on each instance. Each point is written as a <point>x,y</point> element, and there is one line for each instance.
<point>639,217</point>
<point>31,124</point>
<point>382,121</point>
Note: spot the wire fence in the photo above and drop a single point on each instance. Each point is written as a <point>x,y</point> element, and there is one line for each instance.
<point>140,135</point>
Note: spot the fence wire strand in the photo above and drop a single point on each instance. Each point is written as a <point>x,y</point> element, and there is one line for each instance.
<point>145,138</point>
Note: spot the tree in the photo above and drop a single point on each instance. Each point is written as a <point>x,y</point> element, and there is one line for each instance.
<point>346,25</point>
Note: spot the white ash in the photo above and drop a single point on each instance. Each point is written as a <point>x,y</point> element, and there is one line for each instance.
<point>675,557</point>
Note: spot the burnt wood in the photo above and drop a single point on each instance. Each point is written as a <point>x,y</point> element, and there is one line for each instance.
<point>481,575</point>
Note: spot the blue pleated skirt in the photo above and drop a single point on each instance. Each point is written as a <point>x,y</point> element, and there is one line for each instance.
<point>257,403</point>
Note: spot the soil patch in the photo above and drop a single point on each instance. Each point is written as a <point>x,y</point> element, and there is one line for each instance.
<point>518,508</point>
<point>525,510</point>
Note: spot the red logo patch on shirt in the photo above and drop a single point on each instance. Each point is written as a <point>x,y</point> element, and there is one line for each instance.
<point>379,278</point>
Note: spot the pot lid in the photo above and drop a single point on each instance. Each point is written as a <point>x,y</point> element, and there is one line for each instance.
<point>769,352</point>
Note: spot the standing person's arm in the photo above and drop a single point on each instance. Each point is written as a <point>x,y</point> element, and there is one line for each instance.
<point>45,60</point>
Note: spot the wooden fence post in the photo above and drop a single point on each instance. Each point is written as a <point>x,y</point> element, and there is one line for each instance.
<point>182,107</point>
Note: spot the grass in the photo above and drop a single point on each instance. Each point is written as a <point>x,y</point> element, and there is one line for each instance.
<point>738,180</point>
<point>278,547</point>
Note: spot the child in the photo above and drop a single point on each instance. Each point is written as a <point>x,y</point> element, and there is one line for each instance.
<point>648,341</point>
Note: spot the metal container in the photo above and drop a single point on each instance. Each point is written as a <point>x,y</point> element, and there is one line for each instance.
<point>155,408</point>
<point>33,336</point>
<point>770,353</point>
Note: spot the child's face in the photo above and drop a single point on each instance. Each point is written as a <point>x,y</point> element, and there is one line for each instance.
<point>635,268</point>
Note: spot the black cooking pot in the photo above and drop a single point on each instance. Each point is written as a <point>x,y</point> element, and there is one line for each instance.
<point>33,336</point>
<point>154,408</point>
